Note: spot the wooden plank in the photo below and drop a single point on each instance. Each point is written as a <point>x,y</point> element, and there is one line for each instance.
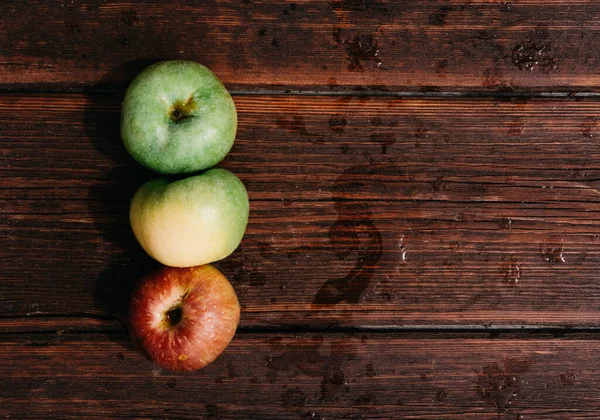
<point>482,45</point>
<point>60,325</point>
<point>371,376</point>
<point>364,211</point>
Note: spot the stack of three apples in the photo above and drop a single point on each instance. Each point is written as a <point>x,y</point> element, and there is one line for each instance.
<point>178,118</point>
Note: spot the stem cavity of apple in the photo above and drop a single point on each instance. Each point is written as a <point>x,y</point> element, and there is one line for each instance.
<point>181,110</point>
<point>173,316</point>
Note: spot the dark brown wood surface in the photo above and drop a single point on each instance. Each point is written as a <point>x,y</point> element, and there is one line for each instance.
<point>484,45</point>
<point>365,211</point>
<point>307,376</point>
<point>424,181</point>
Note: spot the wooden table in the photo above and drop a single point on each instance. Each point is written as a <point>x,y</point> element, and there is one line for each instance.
<point>424,236</point>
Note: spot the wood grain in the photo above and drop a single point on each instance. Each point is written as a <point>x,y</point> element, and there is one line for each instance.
<point>364,211</point>
<point>268,376</point>
<point>407,193</point>
<point>358,45</point>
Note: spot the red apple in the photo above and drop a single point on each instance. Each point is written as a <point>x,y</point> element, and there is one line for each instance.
<point>183,318</point>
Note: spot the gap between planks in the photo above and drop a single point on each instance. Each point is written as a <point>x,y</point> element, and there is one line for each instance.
<point>562,92</point>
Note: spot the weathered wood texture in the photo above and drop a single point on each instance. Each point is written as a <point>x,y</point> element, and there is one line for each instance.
<point>332,376</point>
<point>484,45</point>
<point>368,208</point>
<point>364,211</point>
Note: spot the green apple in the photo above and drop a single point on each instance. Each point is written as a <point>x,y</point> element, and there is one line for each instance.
<point>177,117</point>
<point>190,222</point>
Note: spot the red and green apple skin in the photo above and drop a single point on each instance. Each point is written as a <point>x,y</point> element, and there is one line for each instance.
<point>183,318</point>
<point>193,221</point>
<point>177,117</point>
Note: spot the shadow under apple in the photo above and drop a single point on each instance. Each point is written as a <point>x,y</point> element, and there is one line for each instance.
<point>109,197</point>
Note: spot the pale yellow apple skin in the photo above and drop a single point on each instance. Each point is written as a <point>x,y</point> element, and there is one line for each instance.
<point>194,221</point>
